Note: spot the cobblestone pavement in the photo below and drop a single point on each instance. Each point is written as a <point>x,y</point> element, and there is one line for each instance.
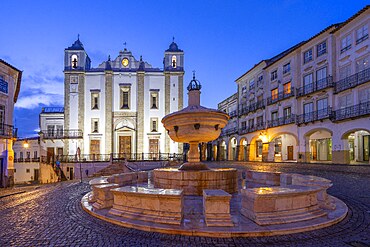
<point>51,215</point>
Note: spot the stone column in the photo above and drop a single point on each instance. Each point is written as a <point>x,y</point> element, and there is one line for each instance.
<point>140,112</point>
<point>81,105</point>
<point>180,105</point>
<point>167,107</point>
<point>108,112</point>
<point>66,110</point>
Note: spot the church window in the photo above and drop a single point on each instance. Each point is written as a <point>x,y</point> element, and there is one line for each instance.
<point>95,125</point>
<point>125,97</point>
<point>94,101</point>
<point>74,61</point>
<point>154,124</point>
<point>173,61</point>
<point>153,100</point>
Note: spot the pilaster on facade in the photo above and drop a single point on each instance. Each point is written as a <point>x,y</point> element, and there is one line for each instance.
<point>140,112</point>
<point>108,112</point>
<point>81,105</point>
<point>66,108</point>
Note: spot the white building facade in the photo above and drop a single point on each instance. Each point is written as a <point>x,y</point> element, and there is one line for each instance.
<point>10,82</point>
<point>310,103</point>
<point>116,107</point>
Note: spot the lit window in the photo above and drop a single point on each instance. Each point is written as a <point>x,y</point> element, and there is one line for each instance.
<point>286,68</point>
<point>173,61</point>
<point>274,94</point>
<point>287,88</point>
<point>346,43</point>
<point>307,56</point>
<point>74,61</point>
<point>94,101</point>
<point>274,75</point>
<point>362,34</point>
<point>321,48</point>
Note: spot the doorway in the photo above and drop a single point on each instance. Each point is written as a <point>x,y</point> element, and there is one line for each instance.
<point>50,155</point>
<point>290,152</point>
<point>36,174</point>
<point>153,148</point>
<point>71,173</point>
<point>125,147</point>
<point>94,149</point>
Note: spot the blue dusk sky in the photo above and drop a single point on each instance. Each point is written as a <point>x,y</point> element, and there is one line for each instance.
<point>221,39</point>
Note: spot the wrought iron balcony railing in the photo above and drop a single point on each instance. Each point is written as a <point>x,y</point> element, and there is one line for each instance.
<point>252,128</point>
<point>244,109</point>
<point>229,131</point>
<point>315,86</point>
<point>61,134</point>
<point>352,81</point>
<point>7,131</point>
<point>233,113</point>
<point>3,86</point>
<point>354,111</point>
<point>314,116</point>
<point>281,121</point>
<point>280,96</point>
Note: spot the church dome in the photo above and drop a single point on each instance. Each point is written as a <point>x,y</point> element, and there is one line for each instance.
<point>174,48</point>
<point>77,45</point>
<point>194,84</point>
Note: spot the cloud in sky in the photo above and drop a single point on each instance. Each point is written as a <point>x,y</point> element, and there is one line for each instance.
<point>41,89</point>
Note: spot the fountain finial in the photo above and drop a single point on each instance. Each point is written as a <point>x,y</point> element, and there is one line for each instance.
<point>194,91</point>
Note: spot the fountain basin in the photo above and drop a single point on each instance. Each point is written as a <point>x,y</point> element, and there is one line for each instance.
<point>193,182</point>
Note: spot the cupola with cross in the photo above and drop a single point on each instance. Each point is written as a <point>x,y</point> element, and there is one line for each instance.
<point>76,58</point>
<point>173,58</point>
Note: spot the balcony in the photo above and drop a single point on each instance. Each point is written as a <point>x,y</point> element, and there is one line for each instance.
<point>7,131</point>
<point>280,96</point>
<point>351,112</point>
<point>281,121</point>
<point>3,86</point>
<point>61,134</point>
<point>314,116</point>
<point>352,81</point>
<point>233,113</point>
<point>244,109</point>
<point>229,131</point>
<point>252,128</point>
<point>27,160</point>
<point>315,86</point>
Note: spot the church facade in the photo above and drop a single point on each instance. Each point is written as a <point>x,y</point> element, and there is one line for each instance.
<point>117,107</point>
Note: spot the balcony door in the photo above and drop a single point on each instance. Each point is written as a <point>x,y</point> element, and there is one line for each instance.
<point>308,112</point>
<point>366,140</point>
<point>322,108</point>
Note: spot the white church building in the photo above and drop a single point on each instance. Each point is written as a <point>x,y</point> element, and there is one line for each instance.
<point>117,106</point>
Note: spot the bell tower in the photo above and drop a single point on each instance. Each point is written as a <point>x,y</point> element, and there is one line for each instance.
<point>173,68</point>
<point>76,62</point>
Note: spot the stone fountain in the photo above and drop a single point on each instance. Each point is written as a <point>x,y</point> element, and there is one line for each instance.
<point>195,124</point>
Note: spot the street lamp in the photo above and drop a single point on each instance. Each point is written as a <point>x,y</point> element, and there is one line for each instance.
<point>26,144</point>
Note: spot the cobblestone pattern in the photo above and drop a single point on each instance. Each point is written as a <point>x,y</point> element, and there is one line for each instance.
<point>52,216</point>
